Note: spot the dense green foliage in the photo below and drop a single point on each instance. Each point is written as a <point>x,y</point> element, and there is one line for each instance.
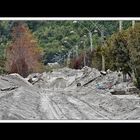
<point>58,37</point>
<point>122,52</point>
<point>52,35</point>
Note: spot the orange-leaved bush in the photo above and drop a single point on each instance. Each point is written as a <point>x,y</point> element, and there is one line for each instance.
<point>23,54</point>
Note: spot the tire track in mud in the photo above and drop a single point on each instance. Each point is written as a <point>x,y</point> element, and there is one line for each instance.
<point>69,110</point>
<point>58,110</point>
<point>57,107</point>
<point>126,110</point>
<point>89,111</point>
<point>48,109</point>
<point>67,106</point>
<point>83,115</point>
<point>102,99</point>
<point>101,110</point>
<point>99,104</point>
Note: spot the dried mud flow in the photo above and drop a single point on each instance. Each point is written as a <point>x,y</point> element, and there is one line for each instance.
<point>68,94</point>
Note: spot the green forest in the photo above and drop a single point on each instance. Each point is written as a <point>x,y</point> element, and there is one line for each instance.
<point>28,46</point>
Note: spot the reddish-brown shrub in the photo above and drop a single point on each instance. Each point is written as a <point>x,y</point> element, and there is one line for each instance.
<point>78,62</point>
<point>23,54</point>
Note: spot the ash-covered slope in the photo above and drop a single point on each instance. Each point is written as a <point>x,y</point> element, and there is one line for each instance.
<point>88,95</point>
<point>18,99</point>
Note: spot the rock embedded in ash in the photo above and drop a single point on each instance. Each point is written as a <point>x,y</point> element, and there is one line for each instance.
<point>133,90</point>
<point>78,84</point>
<point>118,92</point>
<point>103,72</point>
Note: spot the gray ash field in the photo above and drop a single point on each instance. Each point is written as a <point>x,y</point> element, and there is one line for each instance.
<point>68,94</point>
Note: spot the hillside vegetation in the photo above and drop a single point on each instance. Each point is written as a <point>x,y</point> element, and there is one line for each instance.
<point>28,46</point>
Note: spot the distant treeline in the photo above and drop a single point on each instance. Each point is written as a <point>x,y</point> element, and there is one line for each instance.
<point>26,45</point>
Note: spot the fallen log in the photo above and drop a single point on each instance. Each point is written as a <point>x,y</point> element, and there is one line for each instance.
<point>9,88</point>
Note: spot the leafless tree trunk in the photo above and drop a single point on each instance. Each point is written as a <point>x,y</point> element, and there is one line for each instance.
<point>103,62</point>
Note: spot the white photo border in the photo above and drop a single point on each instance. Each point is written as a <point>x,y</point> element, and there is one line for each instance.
<point>70,18</point>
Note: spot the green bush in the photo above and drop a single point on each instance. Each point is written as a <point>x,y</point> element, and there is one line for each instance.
<point>2,66</point>
<point>122,52</point>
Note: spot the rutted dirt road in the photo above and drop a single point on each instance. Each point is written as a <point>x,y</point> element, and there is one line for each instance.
<point>92,106</point>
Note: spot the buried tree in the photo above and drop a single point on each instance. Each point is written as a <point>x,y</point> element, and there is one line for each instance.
<point>23,54</point>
